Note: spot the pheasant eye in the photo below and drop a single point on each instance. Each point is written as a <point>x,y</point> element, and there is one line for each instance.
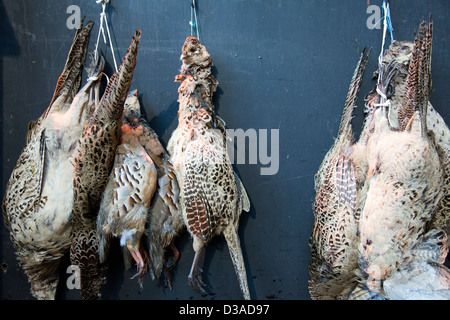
<point>390,91</point>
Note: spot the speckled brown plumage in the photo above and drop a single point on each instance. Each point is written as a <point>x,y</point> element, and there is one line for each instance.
<point>37,202</point>
<point>400,166</point>
<point>212,196</point>
<point>125,204</point>
<point>400,54</point>
<point>334,237</point>
<point>93,161</point>
<point>403,240</point>
<point>165,221</point>
<point>418,84</point>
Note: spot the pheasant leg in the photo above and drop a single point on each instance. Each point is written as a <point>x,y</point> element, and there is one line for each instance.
<point>140,265</point>
<point>170,260</point>
<point>195,275</point>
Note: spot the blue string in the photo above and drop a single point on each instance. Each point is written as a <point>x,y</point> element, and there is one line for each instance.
<point>193,21</point>
<point>381,19</point>
<point>388,19</point>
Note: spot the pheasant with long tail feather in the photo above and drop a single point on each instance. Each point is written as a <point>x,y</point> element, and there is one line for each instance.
<point>93,161</point>
<point>38,200</point>
<point>212,196</point>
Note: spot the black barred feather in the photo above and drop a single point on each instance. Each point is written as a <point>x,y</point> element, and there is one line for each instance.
<point>93,160</point>
<point>201,220</point>
<point>346,182</point>
<point>333,254</point>
<point>70,79</point>
<point>36,215</point>
<point>345,135</point>
<point>419,78</point>
<point>353,91</point>
<point>211,200</point>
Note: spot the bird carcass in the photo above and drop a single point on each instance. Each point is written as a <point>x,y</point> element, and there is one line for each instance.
<point>212,196</point>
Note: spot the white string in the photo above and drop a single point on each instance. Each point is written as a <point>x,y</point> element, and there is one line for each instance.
<point>94,78</point>
<point>195,22</point>
<point>380,57</point>
<point>381,93</point>
<point>104,19</point>
<point>384,101</point>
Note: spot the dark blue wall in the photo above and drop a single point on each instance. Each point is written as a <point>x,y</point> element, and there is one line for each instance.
<point>283,64</point>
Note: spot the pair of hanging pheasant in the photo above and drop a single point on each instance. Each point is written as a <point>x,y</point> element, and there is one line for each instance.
<point>53,195</point>
<point>94,169</point>
<point>198,188</point>
<point>38,203</point>
<point>381,208</point>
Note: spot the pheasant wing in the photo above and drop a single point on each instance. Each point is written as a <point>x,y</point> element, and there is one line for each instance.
<point>24,195</point>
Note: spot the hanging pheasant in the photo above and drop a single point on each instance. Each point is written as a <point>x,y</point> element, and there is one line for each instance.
<point>402,245</point>
<point>165,221</point>
<point>334,240</point>
<point>93,161</point>
<point>399,55</point>
<point>212,196</point>
<point>132,183</point>
<point>38,203</point>
<point>400,165</point>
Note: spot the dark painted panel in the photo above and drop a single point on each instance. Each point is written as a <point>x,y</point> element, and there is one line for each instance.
<point>282,64</point>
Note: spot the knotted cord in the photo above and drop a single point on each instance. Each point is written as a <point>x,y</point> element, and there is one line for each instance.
<point>387,25</point>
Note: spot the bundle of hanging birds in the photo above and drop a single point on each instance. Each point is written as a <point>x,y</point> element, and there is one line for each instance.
<point>382,202</point>
<point>93,169</point>
<point>89,171</point>
<point>38,202</point>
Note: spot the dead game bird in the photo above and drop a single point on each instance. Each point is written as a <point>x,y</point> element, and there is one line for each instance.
<point>334,240</point>
<point>93,161</point>
<point>142,192</point>
<point>400,241</point>
<point>394,240</point>
<point>165,221</point>
<point>131,186</point>
<point>399,56</point>
<point>38,201</point>
<point>212,196</point>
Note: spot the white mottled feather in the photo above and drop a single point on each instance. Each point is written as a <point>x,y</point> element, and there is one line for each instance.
<point>420,281</point>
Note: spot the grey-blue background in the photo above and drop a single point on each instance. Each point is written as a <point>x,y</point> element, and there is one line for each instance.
<point>282,64</point>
